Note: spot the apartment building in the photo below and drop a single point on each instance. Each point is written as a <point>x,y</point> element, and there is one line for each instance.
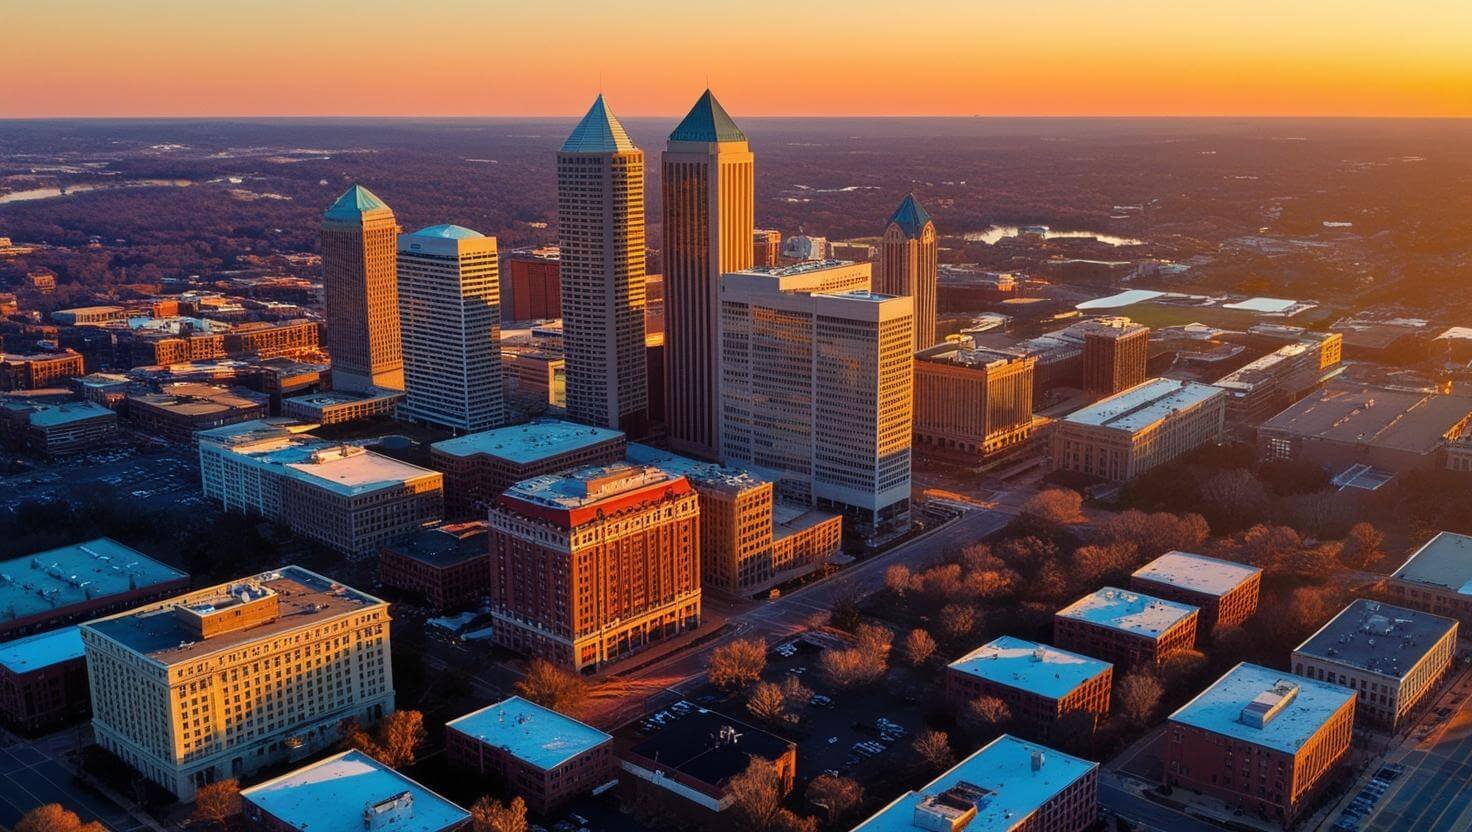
<point>1225,591</point>
<point>348,792</point>
<point>1391,657</point>
<point>545,757</point>
<point>225,680</point>
<point>283,339</point>
<point>43,681</point>
<point>334,407</point>
<point>1262,740</point>
<point>1434,578</point>
<point>594,564</point>
<point>479,466</point>
<point>73,583</point>
<point>1040,683</point>
<point>1126,628</point>
<point>34,371</point>
<point>971,403</point>
<point>1124,435</point>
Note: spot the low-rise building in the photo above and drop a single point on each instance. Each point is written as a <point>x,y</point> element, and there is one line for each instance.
<point>1392,657</point>
<point>1122,436</point>
<point>1008,785</point>
<point>332,407</point>
<point>229,679</point>
<point>1040,683</point>
<point>273,339</point>
<point>691,760</point>
<point>348,792</point>
<point>56,429</point>
<point>43,681</point>
<point>1225,591</point>
<point>1437,578</point>
<point>1263,387</point>
<point>971,403</point>
<point>73,583</point>
<point>89,315</point>
<point>448,566</point>
<point>38,370</point>
<point>479,466</point>
<point>1260,739</point>
<point>178,411</point>
<point>545,757</point>
<point>1127,628</point>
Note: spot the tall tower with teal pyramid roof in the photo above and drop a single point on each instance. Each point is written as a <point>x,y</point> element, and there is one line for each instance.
<point>600,222</point>
<point>909,265</point>
<point>360,288</point>
<point>707,188</point>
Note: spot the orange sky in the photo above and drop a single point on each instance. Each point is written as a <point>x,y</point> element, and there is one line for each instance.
<point>763,57</point>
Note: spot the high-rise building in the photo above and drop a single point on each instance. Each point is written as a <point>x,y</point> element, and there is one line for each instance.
<point>766,247</point>
<point>226,680</point>
<point>707,187</point>
<point>1116,351</point>
<point>361,292</point>
<point>600,216</point>
<point>816,375</point>
<point>450,314</point>
<point>971,403</point>
<point>595,564</point>
<point>909,264</point>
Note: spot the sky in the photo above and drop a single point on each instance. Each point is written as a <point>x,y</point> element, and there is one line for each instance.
<point>762,57</point>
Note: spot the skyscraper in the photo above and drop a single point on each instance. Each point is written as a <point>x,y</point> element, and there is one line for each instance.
<point>600,217</point>
<point>709,221</point>
<point>450,313</point>
<point>909,265</point>
<point>1116,353</point>
<point>361,292</point>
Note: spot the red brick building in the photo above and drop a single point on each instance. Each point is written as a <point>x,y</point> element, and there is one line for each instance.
<point>595,564</point>
<point>35,371</point>
<point>531,283</point>
<point>1126,628</point>
<point>1262,740</point>
<point>689,762</point>
<point>479,466</point>
<point>449,566</point>
<point>545,757</point>
<point>1225,591</point>
<point>43,681</point>
<point>75,583</point>
<point>1039,683</point>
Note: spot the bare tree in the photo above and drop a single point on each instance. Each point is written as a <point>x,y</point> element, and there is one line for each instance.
<point>488,815</point>
<point>766,702</point>
<point>794,693</point>
<point>874,638</point>
<point>1097,563</point>
<point>756,794</point>
<point>837,796</point>
<point>1137,695</point>
<point>52,817</point>
<point>957,620</point>
<point>1060,506</point>
<point>897,579</point>
<point>552,687</point>
<point>395,741</point>
<point>216,803</point>
<point>1362,545</point>
<point>987,713</point>
<point>918,647</point>
<point>934,750</point>
<point>1181,668</point>
<point>852,667</point>
<point>738,664</point>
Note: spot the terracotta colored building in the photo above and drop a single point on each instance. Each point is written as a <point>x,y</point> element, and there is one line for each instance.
<point>38,370</point>
<point>447,565</point>
<point>1116,351</point>
<point>1126,628</point>
<point>1260,739</point>
<point>593,565</point>
<point>479,466</point>
<point>43,681</point>
<point>1039,683</point>
<point>969,403</point>
<point>545,757</point>
<point>532,285</point>
<point>272,340</point>
<point>766,248</point>
<point>181,410</point>
<point>1225,591</point>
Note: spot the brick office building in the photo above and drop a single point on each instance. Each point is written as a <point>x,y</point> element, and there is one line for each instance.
<point>448,565</point>
<point>595,564</point>
<point>1260,739</point>
<point>479,466</point>
<point>1434,577</point>
<point>1040,684</point>
<point>1225,591</point>
<point>1126,628</point>
<point>545,757</point>
<point>35,371</point>
<point>43,681</point>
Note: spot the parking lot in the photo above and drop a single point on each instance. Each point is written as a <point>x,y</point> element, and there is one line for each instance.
<point>33,774</point>
<point>162,475</point>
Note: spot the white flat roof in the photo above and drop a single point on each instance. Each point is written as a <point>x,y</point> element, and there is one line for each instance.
<point>41,650</point>
<point>331,796</point>
<point>351,470</point>
<point>1130,612</point>
<point>1269,305</point>
<point>1004,768</point>
<point>1444,561</point>
<point>1197,573</point>
<point>1028,665</point>
<point>529,732</point>
<point>1144,404</point>
<point>61,414</point>
<point>1124,298</point>
<point>522,444</point>
<point>1219,708</point>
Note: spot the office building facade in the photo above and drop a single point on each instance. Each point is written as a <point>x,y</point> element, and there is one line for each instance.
<point>1116,353</point>
<point>1127,434</point>
<point>969,403</point>
<point>909,265</point>
<point>361,293</point>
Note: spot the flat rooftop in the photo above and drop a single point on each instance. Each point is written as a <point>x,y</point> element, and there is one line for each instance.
<point>1444,562</point>
<point>81,573</point>
<point>55,415</point>
<point>330,398</point>
<point>306,599</point>
<point>1129,612</point>
<point>692,745</point>
<point>532,442</point>
<point>1354,414</point>
<point>1028,665</point>
<point>1219,708</point>
<point>587,486</point>
<point>1012,789</point>
<point>338,793</point>
<point>42,650</point>
<point>529,732</point>
<point>1378,637</point>
<point>805,267</point>
<point>702,474</point>
<point>350,470</point>
<point>447,544</point>
<point>1144,404</point>
<point>1197,573</point>
<point>198,399</point>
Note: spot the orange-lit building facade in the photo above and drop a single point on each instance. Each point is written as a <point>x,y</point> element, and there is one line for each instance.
<point>1040,684</point>
<point>909,265</point>
<point>970,404</point>
<point>531,285</point>
<point>361,292</point>
<point>39,370</point>
<point>1116,352</point>
<point>766,248</point>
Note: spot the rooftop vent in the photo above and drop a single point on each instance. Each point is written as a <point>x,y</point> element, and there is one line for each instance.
<point>1038,758</point>
<point>952,809</point>
<point>389,811</point>
<point>1268,704</point>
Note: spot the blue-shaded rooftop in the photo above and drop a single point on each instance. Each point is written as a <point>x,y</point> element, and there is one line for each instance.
<point>1040,669</point>
<point>44,582</point>
<point>1271,708</point>
<point>599,132</point>
<point>448,232</point>
<point>707,121</point>
<point>529,732</point>
<point>910,216</point>
<point>353,205</point>
<point>53,647</point>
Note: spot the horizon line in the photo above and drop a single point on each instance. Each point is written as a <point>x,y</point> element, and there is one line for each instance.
<point>768,117</point>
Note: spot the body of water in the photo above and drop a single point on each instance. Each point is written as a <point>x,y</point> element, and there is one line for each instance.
<point>993,233</point>
<point>51,193</point>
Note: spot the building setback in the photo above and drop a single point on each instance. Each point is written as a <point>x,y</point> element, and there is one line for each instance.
<point>73,583</point>
<point>1437,578</point>
<point>1008,785</point>
<point>448,565</point>
<point>545,757</point>
<point>348,792</point>
<point>970,403</point>
<point>225,680</point>
<point>1040,684</point>
<point>1125,435</point>
<point>43,681</point>
<point>1260,739</point>
<point>1126,628</point>
<point>361,293</point>
<point>479,466</point>
<point>595,564</point>
<point>909,265</point>
<point>1225,591</point>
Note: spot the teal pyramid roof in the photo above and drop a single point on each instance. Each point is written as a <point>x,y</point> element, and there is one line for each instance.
<point>707,121</point>
<point>449,232</point>
<point>598,132</point>
<point>352,205</point>
<point>910,217</point>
